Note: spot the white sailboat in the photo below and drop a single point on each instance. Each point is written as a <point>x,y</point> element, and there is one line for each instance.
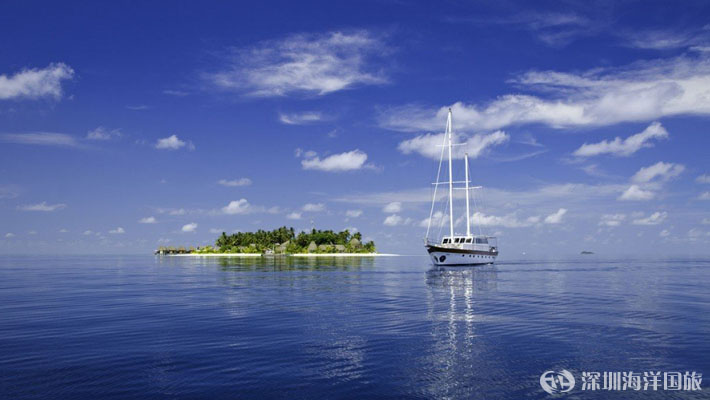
<point>458,249</point>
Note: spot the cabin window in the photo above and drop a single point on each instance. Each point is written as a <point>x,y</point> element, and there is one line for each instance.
<point>468,240</point>
<point>457,240</point>
<point>446,241</point>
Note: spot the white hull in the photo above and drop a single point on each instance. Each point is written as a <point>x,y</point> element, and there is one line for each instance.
<point>442,257</point>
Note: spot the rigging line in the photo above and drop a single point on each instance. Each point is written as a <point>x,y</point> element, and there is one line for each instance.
<point>433,199</point>
<point>442,219</point>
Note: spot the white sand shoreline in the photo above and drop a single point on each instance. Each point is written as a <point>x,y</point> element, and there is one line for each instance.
<point>281,255</point>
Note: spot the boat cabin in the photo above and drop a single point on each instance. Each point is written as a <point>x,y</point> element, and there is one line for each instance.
<point>464,239</point>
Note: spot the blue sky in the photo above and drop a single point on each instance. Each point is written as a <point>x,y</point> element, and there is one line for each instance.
<point>125,126</point>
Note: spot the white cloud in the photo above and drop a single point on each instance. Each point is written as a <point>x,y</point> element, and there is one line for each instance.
<point>235,182</point>
<point>191,227</point>
<point>35,83</point>
<point>664,171</point>
<point>429,145</point>
<point>117,231</point>
<point>706,221</point>
<point>664,233</point>
<point>240,206</point>
<point>556,218</point>
<point>148,220</point>
<point>642,91</point>
<point>507,221</point>
<point>88,232</point>
<point>634,193</point>
<point>394,220</point>
<point>624,147</point>
<point>315,64</point>
<point>612,219</point>
<point>704,178</point>
<point>294,215</point>
<point>43,206</point>
<point>216,230</point>
<point>653,219</point>
<point>393,207</point>
<point>348,161</point>
<point>41,139</point>
<point>9,235</point>
<point>300,118</point>
<point>138,107</point>
<point>353,213</point>
<point>173,143</point>
<point>63,230</point>
<point>436,219</point>
<point>102,133</point>
<point>313,207</point>
<point>704,196</point>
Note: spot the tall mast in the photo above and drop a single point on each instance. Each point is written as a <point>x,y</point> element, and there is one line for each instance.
<point>468,215</point>
<point>451,181</point>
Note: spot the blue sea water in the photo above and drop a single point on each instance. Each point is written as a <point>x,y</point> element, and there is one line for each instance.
<point>100,327</point>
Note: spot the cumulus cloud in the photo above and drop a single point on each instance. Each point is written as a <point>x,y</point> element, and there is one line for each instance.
<point>43,206</point>
<point>117,231</point>
<point>148,220</point>
<point>303,118</point>
<point>9,235</point>
<point>348,161</point>
<point>429,145</point>
<point>704,196</point>
<point>624,147</point>
<point>663,171</point>
<point>173,143</point>
<point>612,219</point>
<point>635,193</point>
<point>394,220</point>
<point>294,215</point>
<point>313,207</point>
<point>653,219</point>
<point>311,64</point>
<point>102,133</point>
<point>35,83</point>
<point>191,227</point>
<point>507,221</point>
<point>704,178</point>
<point>556,217</point>
<point>235,182</point>
<point>642,91</point>
<point>41,139</point>
<point>240,206</point>
<point>353,213</point>
<point>436,219</point>
<point>393,207</point>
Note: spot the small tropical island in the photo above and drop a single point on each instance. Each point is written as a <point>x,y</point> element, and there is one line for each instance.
<point>281,241</point>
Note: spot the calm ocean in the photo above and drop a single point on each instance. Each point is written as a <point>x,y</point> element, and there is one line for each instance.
<point>98,327</point>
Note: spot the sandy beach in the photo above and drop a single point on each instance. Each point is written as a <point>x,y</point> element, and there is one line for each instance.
<point>282,255</point>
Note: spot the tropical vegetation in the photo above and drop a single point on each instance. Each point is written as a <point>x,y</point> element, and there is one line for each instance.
<point>285,241</point>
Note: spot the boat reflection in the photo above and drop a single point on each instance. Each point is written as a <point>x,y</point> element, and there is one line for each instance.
<point>458,348</point>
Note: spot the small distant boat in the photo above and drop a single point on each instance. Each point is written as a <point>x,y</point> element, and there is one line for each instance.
<point>468,249</point>
<point>585,252</point>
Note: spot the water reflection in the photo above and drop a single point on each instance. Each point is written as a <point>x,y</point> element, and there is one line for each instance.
<point>453,309</point>
<point>276,263</point>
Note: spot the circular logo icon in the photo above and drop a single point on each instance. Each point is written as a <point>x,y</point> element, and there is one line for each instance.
<point>554,382</point>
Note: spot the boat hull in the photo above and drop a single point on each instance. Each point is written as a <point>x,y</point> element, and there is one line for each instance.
<point>455,256</point>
